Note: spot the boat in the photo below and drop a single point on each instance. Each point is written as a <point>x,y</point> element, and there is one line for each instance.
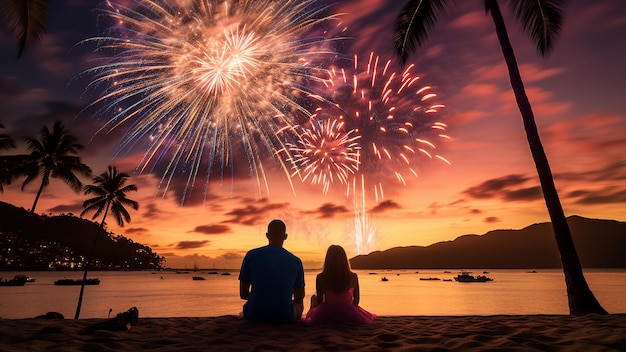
<point>12,282</point>
<point>70,282</point>
<point>225,274</point>
<point>384,279</point>
<point>466,276</point>
<point>429,278</point>
<point>24,278</point>
<point>198,278</point>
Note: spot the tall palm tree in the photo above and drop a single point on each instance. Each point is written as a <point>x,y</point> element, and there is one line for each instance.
<point>6,143</point>
<point>542,20</point>
<point>26,19</point>
<point>51,157</point>
<point>110,190</point>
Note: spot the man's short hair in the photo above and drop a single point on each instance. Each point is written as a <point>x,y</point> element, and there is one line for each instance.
<point>276,227</point>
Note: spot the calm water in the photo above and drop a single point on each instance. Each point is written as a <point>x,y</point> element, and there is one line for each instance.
<point>167,294</point>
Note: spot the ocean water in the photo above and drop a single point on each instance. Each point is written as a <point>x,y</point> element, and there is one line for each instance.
<point>168,294</point>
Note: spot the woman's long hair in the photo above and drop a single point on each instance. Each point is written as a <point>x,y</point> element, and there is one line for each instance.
<point>337,269</point>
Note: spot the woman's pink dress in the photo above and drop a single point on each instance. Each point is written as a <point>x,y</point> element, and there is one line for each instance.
<point>338,308</point>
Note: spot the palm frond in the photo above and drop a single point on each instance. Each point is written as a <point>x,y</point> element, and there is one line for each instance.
<point>413,23</point>
<point>111,190</point>
<point>24,18</point>
<point>6,142</point>
<point>542,19</point>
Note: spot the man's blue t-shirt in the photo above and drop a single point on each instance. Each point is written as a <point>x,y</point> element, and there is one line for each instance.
<point>273,272</point>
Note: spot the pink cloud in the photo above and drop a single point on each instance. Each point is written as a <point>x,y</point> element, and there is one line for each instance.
<point>531,72</point>
<point>474,19</point>
<point>480,90</point>
<point>467,117</point>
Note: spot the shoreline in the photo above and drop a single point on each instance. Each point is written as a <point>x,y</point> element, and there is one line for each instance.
<point>228,333</point>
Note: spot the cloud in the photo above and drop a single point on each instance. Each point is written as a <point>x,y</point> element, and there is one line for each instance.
<point>494,188</point>
<point>75,208</point>
<point>614,171</point>
<point>230,256</point>
<point>137,230</point>
<point>491,219</point>
<point>385,206</point>
<point>603,196</point>
<point>507,188</point>
<point>191,244</point>
<point>252,215</point>
<point>530,193</point>
<point>327,211</point>
<point>212,229</point>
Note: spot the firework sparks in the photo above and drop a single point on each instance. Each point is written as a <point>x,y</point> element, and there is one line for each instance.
<point>197,80</point>
<point>324,153</point>
<point>393,115</point>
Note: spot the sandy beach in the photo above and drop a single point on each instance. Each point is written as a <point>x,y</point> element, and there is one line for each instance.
<point>389,333</point>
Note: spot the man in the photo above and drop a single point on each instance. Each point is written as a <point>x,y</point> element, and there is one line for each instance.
<point>272,280</point>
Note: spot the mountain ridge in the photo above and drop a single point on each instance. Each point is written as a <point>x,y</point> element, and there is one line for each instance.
<point>599,243</point>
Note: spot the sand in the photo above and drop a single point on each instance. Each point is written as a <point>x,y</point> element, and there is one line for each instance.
<point>387,333</point>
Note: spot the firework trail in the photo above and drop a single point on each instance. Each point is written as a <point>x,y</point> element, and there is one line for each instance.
<point>362,232</point>
<point>200,84</point>
<point>392,114</point>
<point>325,153</point>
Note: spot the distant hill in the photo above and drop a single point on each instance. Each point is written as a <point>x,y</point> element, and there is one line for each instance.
<point>599,244</point>
<point>34,236</point>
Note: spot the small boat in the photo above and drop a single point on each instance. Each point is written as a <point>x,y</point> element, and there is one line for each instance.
<point>447,279</point>
<point>225,274</point>
<point>12,282</point>
<point>24,278</point>
<point>212,273</point>
<point>72,282</point>
<point>466,276</point>
<point>198,278</point>
<point>384,278</point>
<point>429,278</point>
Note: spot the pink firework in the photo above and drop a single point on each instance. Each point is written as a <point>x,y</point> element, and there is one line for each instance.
<point>325,152</point>
<point>393,114</point>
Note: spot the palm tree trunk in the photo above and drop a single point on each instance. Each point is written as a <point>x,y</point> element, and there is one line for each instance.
<point>44,180</point>
<point>88,261</point>
<point>581,299</point>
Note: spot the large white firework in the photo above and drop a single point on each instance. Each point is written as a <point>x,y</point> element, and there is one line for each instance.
<point>202,84</point>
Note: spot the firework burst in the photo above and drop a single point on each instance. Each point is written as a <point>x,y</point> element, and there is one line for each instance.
<point>325,152</point>
<point>393,115</point>
<point>195,83</point>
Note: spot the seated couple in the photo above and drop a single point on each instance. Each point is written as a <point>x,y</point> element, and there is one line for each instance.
<point>272,282</point>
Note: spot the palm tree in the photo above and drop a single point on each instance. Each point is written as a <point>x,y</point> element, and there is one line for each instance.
<point>110,189</point>
<point>25,19</point>
<point>51,157</point>
<point>542,19</point>
<point>6,143</point>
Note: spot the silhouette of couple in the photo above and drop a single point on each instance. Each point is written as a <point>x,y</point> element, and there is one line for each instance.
<point>271,281</point>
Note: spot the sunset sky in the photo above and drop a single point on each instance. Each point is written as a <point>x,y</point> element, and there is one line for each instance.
<point>578,95</point>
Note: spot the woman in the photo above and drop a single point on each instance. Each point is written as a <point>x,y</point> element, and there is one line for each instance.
<point>337,298</point>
